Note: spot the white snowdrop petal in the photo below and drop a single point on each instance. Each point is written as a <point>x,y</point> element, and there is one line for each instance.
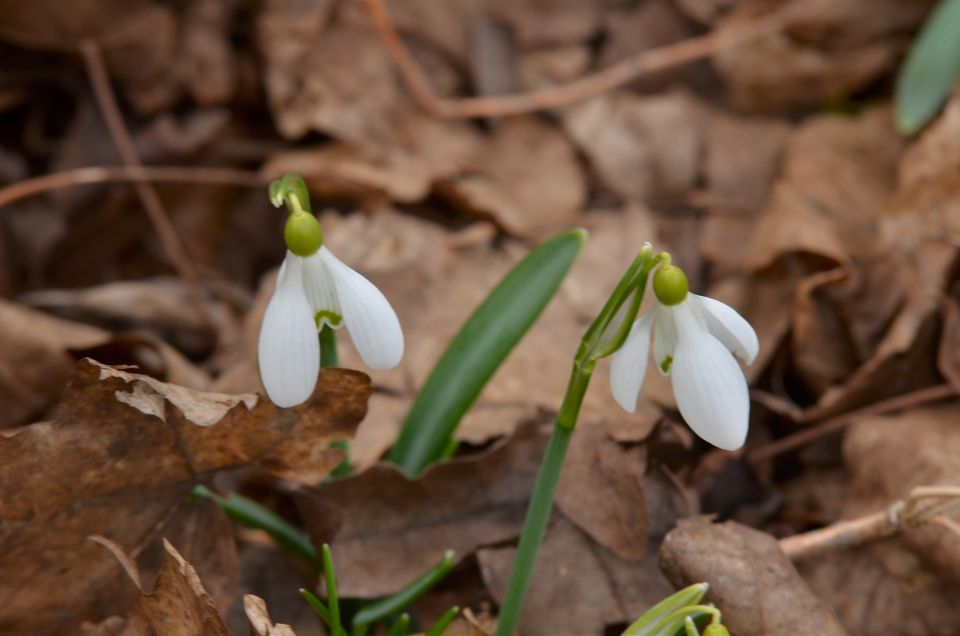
<point>370,319</point>
<point>321,291</point>
<point>289,351</point>
<point>730,328</point>
<point>708,383</point>
<point>664,337</point>
<point>629,364</point>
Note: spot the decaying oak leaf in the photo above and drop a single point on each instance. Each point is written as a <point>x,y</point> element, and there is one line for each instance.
<point>641,147</point>
<point>830,50</point>
<point>525,176</point>
<point>178,604</point>
<point>909,580</point>
<point>34,359</point>
<point>601,490</point>
<point>395,527</point>
<point>751,580</point>
<point>572,565</point>
<point>118,458</point>
<point>260,620</point>
<point>161,306</point>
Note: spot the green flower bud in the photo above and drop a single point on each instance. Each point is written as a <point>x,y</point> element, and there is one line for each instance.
<point>716,629</point>
<point>670,284</point>
<point>302,234</point>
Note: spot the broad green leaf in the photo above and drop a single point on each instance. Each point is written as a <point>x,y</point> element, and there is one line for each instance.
<point>479,348</point>
<point>930,70</point>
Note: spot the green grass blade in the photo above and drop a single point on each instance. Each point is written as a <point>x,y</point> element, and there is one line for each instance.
<point>401,627</point>
<point>378,610</point>
<point>479,348</point>
<point>253,515</point>
<point>930,70</point>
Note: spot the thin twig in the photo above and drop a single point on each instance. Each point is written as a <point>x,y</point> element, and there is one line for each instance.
<point>840,422</point>
<point>618,74</point>
<point>107,103</point>
<point>924,504</point>
<point>106,174</point>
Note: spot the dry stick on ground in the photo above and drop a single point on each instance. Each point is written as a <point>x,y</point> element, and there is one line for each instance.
<point>602,81</point>
<point>838,423</point>
<point>106,174</point>
<point>107,103</point>
<point>924,504</point>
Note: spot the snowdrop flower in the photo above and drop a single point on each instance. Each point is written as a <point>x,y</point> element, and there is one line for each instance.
<point>315,288</point>
<point>694,341</point>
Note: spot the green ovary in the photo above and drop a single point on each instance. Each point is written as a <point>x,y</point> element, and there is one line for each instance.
<point>331,318</point>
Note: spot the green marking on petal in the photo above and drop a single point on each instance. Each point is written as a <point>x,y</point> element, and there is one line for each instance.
<point>665,365</point>
<point>325,316</point>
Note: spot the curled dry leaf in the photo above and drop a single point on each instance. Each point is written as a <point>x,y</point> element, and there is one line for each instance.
<point>751,580</point>
<point>118,458</point>
<point>830,50</point>
<point>36,362</point>
<point>260,621</point>
<point>641,147</point>
<point>162,307</point>
<point>178,604</point>
<point>913,575</point>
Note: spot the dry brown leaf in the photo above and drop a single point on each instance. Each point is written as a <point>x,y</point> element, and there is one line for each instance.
<point>395,527</point>
<point>751,580</point>
<point>35,361</point>
<point>913,576</point>
<point>830,51</point>
<point>118,459</point>
<point>161,306</point>
<point>608,588</point>
<point>601,490</point>
<point>260,621</point>
<point>178,604</point>
<point>525,176</point>
<point>641,147</point>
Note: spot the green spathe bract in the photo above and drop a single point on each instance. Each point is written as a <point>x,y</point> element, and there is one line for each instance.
<point>931,69</point>
<point>479,348</point>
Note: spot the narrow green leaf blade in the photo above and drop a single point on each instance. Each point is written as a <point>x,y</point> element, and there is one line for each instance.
<point>931,68</point>
<point>378,610</point>
<point>479,348</point>
<point>443,622</point>
<point>650,622</point>
<point>253,515</point>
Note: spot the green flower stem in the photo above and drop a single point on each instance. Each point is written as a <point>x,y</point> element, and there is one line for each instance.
<point>541,503</point>
<point>328,348</point>
<point>605,336</point>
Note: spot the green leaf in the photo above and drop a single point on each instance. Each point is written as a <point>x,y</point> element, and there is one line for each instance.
<point>479,348</point>
<point>253,515</point>
<point>930,70</point>
<point>651,622</point>
<point>383,608</point>
<point>317,606</point>
<point>333,602</point>
<point>401,627</point>
<point>443,622</point>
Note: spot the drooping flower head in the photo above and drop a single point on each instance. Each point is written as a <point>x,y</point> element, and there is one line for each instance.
<point>315,288</point>
<point>694,342</point>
